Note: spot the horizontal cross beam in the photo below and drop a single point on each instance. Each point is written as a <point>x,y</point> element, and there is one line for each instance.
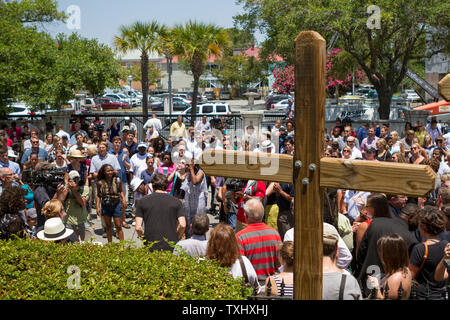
<point>372,176</point>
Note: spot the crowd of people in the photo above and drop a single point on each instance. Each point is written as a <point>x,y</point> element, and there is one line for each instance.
<point>378,246</point>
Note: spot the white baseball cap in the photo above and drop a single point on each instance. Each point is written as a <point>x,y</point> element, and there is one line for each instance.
<point>135,183</point>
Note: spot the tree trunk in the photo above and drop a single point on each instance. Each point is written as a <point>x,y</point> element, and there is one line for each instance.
<point>144,83</point>
<point>169,85</point>
<point>194,100</point>
<point>384,109</point>
<point>197,67</point>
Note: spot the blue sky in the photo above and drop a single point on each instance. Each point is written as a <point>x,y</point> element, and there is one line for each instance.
<point>101,19</point>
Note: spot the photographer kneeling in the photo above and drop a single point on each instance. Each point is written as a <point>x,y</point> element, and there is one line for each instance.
<point>74,196</point>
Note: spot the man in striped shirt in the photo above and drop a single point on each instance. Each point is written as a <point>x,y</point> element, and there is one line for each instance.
<point>259,242</point>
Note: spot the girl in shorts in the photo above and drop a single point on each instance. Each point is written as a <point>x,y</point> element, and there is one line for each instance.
<point>111,202</point>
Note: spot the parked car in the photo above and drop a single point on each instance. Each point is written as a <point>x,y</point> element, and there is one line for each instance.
<point>21,110</point>
<point>281,105</point>
<point>178,104</point>
<point>90,104</point>
<point>411,95</point>
<point>225,95</point>
<point>108,103</point>
<point>122,98</point>
<point>364,89</point>
<point>273,99</point>
<point>180,99</point>
<point>183,95</point>
<point>209,95</point>
<point>221,109</point>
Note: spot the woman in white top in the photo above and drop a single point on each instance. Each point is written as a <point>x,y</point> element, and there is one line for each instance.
<point>394,143</point>
<point>223,247</point>
<point>196,194</point>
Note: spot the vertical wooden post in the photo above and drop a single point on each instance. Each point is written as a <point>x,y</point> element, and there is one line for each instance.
<point>310,59</point>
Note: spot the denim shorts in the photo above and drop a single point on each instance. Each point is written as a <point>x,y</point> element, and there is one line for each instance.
<point>114,211</point>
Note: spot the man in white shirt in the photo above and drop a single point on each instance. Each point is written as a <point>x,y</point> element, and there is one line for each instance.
<point>151,133</point>
<point>354,201</point>
<point>434,129</point>
<point>60,132</point>
<point>202,125</point>
<point>155,122</point>
<point>139,160</point>
<point>356,153</point>
<point>191,140</point>
<point>276,129</point>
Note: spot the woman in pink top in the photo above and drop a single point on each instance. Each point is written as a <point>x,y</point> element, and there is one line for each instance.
<point>167,168</point>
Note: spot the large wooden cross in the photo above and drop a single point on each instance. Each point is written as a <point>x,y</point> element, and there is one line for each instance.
<point>310,173</point>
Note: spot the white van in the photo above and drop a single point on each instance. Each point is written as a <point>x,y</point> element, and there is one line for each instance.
<point>221,109</point>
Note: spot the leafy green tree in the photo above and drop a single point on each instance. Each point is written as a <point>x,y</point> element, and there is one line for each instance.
<point>146,38</point>
<point>384,54</point>
<point>27,56</point>
<point>195,42</point>
<point>82,65</point>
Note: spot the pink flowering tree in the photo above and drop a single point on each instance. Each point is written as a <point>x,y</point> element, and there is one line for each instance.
<point>284,79</point>
<point>339,73</point>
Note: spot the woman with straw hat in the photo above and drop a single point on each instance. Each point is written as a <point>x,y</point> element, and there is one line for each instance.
<point>77,163</point>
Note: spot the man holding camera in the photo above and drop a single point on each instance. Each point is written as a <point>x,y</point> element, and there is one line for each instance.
<point>45,190</point>
<point>253,190</point>
<point>74,195</point>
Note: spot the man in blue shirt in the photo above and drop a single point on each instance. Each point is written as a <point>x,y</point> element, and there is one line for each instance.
<point>42,154</point>
<point>124,162</point>
<point>130,144</point>
<point>6,163</point>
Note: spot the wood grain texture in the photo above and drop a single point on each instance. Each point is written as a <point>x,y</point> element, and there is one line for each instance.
<point>247,165</point>
<point>444,87</point>
<point>376,176</point>
<point>310,58</point>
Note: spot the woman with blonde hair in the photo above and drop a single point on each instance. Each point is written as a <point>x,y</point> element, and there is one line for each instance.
<point>395,143</point>
<point>53,209</point>
<point>223,247</point>
<point>347,152</point>
<point>383,153</point>
<point>428,145</point>
<point>416,156</point>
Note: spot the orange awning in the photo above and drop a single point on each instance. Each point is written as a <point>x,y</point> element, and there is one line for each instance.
<point>439,107</point>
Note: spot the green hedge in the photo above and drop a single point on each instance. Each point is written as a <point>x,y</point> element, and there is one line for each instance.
<point>33,269</point>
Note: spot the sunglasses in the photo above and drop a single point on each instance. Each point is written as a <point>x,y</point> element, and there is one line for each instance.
<point>346,151</point>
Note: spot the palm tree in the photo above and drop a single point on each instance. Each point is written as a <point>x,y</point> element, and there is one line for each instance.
<point>167,49</point>
<point>144,37</point>
<point>196,42</point>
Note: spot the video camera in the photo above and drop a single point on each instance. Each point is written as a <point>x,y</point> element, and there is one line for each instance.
<point>51,178</point>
